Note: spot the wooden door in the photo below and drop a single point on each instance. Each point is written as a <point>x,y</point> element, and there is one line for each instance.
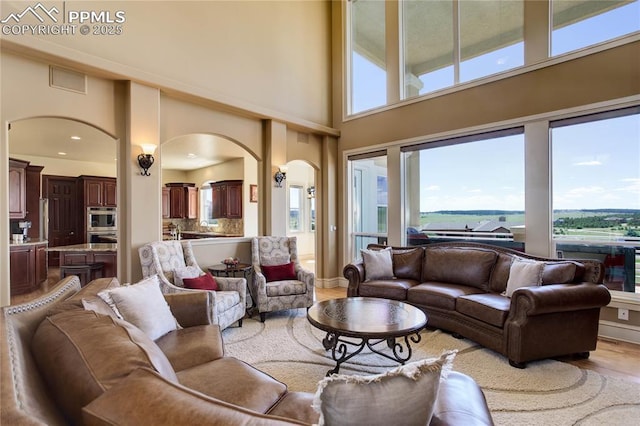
<point>62,193</point>
<point>218,200</point>
<point>21,264</point>
<point>17,189</point>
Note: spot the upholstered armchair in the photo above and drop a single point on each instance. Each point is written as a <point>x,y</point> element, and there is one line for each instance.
<point>228,303</point>
<point>279,281</point>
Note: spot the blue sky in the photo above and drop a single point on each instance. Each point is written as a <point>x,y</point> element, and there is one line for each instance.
<point>596,165</point>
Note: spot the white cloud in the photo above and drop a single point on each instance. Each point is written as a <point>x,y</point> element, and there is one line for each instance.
<point>588,163</point>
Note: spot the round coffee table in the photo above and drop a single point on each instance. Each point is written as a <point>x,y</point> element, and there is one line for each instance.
<point>370,321</point>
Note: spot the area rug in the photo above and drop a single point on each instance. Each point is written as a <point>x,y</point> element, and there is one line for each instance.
<point>548,392</point>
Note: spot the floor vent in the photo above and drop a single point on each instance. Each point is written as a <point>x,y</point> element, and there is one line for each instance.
<point>61,78</point>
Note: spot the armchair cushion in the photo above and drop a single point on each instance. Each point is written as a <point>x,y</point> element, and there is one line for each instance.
<point>275,260</point>
<point>179,275</point>
<point>143,305</point>
<point>279,272</point>
<point>408,392</point>
<point>202,282</point>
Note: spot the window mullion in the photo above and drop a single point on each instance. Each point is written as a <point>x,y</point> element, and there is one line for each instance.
<point>456,41</point>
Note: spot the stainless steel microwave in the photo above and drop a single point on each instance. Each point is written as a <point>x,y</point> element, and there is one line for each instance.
<point>101,219</point>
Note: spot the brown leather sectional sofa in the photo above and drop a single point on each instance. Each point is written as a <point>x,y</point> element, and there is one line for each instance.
<point>459,286</point>
<point>63,365</point>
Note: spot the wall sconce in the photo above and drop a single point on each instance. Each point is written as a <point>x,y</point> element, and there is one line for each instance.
<point>145,160</point>
<point>280,175</point>
<point>311,192</point>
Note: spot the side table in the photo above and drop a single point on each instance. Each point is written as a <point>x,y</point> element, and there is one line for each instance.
<point>221,270</point>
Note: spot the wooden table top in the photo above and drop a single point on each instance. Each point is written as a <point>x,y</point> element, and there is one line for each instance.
<point>367,317</point>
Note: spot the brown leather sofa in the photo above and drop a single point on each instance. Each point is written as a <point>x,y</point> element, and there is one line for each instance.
<point>459,286</point>
<point>63,365</point>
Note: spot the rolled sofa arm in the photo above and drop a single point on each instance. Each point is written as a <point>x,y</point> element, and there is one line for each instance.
<point>144,397</point>
<point>559,298</point>
<point>354,272</point>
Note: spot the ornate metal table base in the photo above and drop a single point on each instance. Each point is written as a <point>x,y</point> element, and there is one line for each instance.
<point>339,348</point>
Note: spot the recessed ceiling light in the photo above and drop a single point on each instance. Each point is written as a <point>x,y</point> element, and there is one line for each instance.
<point>76,138</point>
<point>62,153</point>
<point>191,155</point>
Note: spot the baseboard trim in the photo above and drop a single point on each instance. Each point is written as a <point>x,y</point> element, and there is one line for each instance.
<point>618,331</point>
<point>331,282</point>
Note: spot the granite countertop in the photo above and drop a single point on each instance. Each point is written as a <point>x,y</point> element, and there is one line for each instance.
<point>86,247</point>
<point>31,242</point>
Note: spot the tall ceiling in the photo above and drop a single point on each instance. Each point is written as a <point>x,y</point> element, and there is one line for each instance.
<point>51,136</point>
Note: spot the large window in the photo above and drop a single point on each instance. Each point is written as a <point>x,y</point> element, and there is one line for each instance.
<point>465,188</point>
<point>296,220</point>
<point>578,24</point>
<point>447,42</point>
<point>368,200</point>
<point>596,192</point>
<point>368,62</point>
<point>442,43</point>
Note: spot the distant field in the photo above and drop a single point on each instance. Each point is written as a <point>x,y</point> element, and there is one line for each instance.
<point>514,219</point>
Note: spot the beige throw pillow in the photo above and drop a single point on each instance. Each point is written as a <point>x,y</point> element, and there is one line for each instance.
<point>407,393</point>
<point>378,264</point>
<point>144,306</point>
<point>523,273</point>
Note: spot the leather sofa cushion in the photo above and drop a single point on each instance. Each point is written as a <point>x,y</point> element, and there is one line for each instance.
<point>81,354</point>
<point>188,347</point>
<point>562,272</point>
<point>236,382</point>
<point>466,266</point>
<point>439,295</point>
<point>489,307</point>
<point>500,273</point>
<point>145,398</point>
<point>296,405</point>
<point>89,291</point>
<point>395,289</point>
<point>408,263</point>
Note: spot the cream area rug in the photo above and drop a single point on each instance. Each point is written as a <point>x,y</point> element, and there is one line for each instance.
<point>549,392</point>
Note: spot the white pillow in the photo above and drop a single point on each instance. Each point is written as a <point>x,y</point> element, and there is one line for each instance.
<point>143,305</point>
<point>186,272</point>
<point>378,264</point>
<point>523,273</point>
<point>407,393</point>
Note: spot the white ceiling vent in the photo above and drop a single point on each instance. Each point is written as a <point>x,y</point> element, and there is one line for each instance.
<point>61,78</point>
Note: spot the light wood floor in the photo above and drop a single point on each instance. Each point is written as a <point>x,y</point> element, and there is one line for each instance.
<point>611,358</point>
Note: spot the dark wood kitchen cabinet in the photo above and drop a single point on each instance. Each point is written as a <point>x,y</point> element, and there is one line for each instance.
<point>17,189</point>
<point>28,265</point>
<point>226,197</point>
<point>98,191</point>
<point>183,201</point>
<point>166,203</point>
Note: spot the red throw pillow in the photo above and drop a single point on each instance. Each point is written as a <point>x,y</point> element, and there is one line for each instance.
<point>203,282</point>
<point>279,272</point>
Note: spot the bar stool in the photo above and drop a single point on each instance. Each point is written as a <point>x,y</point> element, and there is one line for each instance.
<point>86,273</point>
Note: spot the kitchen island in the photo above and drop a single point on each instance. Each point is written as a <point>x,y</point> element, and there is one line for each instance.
<point>87,254</point>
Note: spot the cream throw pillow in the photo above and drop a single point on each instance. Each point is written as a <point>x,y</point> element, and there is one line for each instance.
<point>378,264</point>
<point>407,394</point>
<point>523,273</point>
<point>143,305</point>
